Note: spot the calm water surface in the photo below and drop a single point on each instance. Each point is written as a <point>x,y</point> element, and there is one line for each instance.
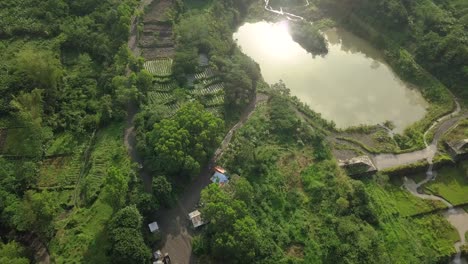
<point>351,85</point>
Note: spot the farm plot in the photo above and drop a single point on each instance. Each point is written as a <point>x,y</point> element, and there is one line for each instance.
<point>210,81</point>
<point>209,90</point>
<point>206,74</point>
<point>160,98</point>
<point>81,231</point>
<point>216,100</point>
<point>159,67</point>
<point>157,53</point>
<point>165,86</point>
<point>61,171</point>
<point>173,108</point>
<point>107,152</point>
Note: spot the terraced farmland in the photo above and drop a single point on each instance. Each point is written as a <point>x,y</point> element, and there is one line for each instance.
<point>61,171</point>
<point>206,74</point>
<point>208,87</point>
<point>209,90</point>
<point>165,86</point>
<point>107,152</point>
<point>159,67</point>
<point>160,98</point>
<point>216,100</point>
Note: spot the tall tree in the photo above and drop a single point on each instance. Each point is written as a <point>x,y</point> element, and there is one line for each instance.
<point>180,144</point>
<point>116,187</point>
<point>128,246</point>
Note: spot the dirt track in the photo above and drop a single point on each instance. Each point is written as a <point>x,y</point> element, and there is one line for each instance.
<point>174,223</point>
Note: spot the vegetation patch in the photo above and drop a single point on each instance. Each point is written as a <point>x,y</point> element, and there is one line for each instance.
<point>61,171</point>
<point>408,169</point>
<point>458,133</point>
<point>391,191</point>
<point>81,233</point>
<point>451,183</point>
<point>160,68</point>
<point>296,251</point>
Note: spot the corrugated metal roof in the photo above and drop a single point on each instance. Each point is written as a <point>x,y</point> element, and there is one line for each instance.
<point>219,178</point>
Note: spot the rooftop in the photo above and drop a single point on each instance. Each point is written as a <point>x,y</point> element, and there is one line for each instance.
<point>218,177</point>
<point>196,219</point>
<point>153,227</point>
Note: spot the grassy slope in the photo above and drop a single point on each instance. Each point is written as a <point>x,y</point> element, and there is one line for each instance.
<point>81,235</point>
<point>406,236</point>
<point>459,132</point>
<point>451,183</point>
<point>406,239</point>
<point>399,198</point>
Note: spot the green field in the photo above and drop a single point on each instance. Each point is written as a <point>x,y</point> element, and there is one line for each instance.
<point>61,171</point>
<point>403,202</point>
<point>81,235</point>
<point>430,235</point>
<point>451,183</point>
<point>459,132</point>
<point>161,67</point>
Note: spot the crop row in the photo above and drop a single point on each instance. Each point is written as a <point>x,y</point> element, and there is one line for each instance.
<point>161,67</point>
<point>165,87</point>
<point>210,81</point>
<point>207,73</point>
<point>212,89</point>
<point>215,101</point>
<point>159,98</point>
<point>162,79</point>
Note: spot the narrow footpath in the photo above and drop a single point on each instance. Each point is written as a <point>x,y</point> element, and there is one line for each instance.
<point>132,108</point>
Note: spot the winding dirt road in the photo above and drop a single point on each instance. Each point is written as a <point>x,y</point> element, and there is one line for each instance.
<point>175,226</point>
<point>174,222</point>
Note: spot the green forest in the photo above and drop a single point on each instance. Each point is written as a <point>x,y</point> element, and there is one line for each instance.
<point>113,114</point>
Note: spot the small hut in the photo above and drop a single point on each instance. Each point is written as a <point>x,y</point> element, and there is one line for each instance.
<point>196,219</point>
<point>358,166</point>
<point>153,227</point>
<point>458,149</point>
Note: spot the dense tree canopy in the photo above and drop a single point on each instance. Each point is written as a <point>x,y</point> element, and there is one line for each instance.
<point>309,37</point>
<point>179,145</point>
<point>58,60</point>
<point>12,253</point>
<point>126,239</point>
<point>435,32</point>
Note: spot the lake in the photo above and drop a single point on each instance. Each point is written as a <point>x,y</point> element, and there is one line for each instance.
<point>351,85</point>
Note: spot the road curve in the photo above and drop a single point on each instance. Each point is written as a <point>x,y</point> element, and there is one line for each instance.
<point>442,125</point>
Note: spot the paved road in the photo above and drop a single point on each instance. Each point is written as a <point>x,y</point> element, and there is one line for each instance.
<point>384,161</point>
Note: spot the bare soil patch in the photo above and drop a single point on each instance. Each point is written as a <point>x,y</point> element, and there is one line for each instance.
<point>157,11</point>
<point>296,250</point>
<point>154,53</point>
<point>157,39</point>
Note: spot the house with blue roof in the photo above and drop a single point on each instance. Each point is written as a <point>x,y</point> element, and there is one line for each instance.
<point>219,177</point>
